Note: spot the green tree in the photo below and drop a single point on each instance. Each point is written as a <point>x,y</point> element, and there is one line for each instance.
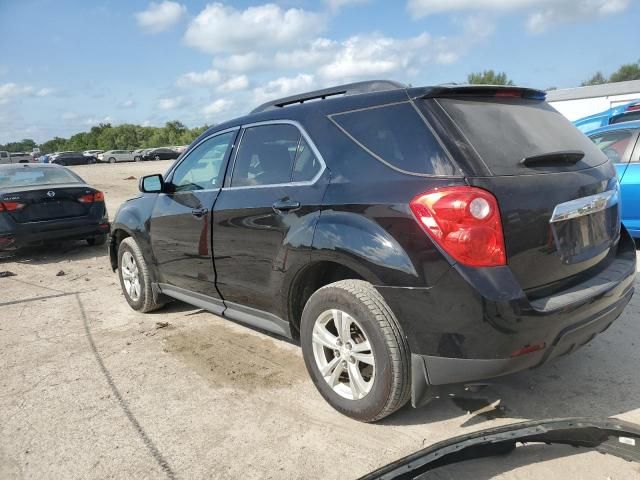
<point>488,77</point>
<point>597,79</point>
<point>629,71</point>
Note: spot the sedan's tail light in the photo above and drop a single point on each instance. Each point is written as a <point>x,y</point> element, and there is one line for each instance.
<point>92,197</point>
<point>11,206</point>
<point>464,222</point>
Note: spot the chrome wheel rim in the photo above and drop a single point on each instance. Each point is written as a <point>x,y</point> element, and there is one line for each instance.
<point>343,354</point>
<point>130,276</point>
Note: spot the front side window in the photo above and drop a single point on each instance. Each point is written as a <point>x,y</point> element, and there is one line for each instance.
<point>266,155</point>
<point>202,167</point>
<point>613,144</point>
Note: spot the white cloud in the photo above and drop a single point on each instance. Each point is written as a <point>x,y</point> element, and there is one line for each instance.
<point>540,13</point>
<point>283,87</point>
<point>171,103</point>
<point>200,79</point>
<point>217,106</point>
<point>223,29</point>
<point>127,104</point>
<point>11,91</point>
<point>335,5</point>
<point>160,17</point>
<point>234,84</point>
<point>44,92</point>
<point>245,62</point>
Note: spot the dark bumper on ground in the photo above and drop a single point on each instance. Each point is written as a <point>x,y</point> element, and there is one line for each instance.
<point>39,232</point>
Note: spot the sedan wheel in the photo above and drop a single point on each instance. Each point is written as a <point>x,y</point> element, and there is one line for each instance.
<point>157,157</point>
<point>343,354</point>
<point>112,160</point>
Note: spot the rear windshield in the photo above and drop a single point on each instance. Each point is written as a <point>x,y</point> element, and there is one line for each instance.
<point>398,136</point>
<point>29,176</point>
<point>505,131</point>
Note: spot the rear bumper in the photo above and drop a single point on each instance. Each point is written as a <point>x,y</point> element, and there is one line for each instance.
<point>39,232</point>
<point>474,324</point>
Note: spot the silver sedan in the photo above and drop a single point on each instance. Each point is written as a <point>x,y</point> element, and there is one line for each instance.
<point>113,156</point>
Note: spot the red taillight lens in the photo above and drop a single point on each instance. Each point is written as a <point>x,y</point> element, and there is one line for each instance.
<point>10,206</point>
<point>465,222</point>
<point>92,197</point>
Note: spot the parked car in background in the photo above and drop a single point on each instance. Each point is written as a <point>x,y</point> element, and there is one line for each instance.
<point>137,154</point>
<point>113,156</point>
<point>621,113</point>
<point>621,144</point>
<point>15,157</point>
<point>409,238</point>
<point>160,154</point>
<point>72,158</point>
<point>92,153</point>
<point>40,203</point>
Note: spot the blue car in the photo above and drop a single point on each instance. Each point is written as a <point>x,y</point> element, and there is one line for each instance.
<point>621,113</point>
<point>621,144</point>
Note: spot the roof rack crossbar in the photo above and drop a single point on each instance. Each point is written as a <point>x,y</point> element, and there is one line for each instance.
<point>347,89</point>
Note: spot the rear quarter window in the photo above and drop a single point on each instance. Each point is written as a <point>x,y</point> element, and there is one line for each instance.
<point>504,131</point>
<point>398,136</point>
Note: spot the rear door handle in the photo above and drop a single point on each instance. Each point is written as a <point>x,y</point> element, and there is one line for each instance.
<point>285,206</point>
<point>199,212</point>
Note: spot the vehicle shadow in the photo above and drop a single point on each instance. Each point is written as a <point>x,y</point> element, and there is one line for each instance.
<point>54,252</point>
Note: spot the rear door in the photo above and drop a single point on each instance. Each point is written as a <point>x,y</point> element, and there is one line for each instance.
<point>557,192</point>
<point>273,197</point>
<point>180,224</point>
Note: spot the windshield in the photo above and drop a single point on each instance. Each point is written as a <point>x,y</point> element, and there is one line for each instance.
<point>28,177</point>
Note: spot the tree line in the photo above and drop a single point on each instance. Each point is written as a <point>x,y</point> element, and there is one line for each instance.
<point>130,137</point>
<point>109,137</point>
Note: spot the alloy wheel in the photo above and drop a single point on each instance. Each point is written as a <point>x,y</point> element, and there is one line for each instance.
<point>343,354</point>
<point>131,276</point>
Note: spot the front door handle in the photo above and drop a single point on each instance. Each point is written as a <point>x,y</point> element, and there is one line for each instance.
<point>285,206</point>
<point>199,212</point>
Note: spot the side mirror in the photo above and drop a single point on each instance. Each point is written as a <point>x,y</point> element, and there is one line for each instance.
<point>151,184</point>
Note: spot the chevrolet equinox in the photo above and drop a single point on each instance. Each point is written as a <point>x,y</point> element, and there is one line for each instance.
<point>411,239</point>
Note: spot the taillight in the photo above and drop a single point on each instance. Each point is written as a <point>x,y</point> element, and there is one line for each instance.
<point>465,223</point>
<point>92,197</point>
<point>11,206</point>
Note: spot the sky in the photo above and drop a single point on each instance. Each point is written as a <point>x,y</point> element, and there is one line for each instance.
<point>68,65</point>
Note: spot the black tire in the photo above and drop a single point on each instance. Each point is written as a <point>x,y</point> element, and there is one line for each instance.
<point>97,240</point>
<point>145,303</point>
<point>136,159</point>
<point>157,157</point>
<point>112,160</point>
<point>391,387</point>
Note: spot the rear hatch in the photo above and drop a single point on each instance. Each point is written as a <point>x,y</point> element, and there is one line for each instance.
<point>47,203</point>
<point>557,193</point>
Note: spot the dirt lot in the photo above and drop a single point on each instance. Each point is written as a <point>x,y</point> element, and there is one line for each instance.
<point>91,389</point>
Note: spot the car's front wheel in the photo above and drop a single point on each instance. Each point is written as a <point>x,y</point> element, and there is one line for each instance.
<point>135,279</point>
<point>355,351</point>
<point>112,160</point>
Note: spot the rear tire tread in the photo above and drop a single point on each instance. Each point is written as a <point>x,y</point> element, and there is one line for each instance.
<point>149,304</point>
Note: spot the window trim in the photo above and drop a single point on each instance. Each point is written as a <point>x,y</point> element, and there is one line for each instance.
<point>445,150</point>
<point>303,133</point>
<point>168,176</point>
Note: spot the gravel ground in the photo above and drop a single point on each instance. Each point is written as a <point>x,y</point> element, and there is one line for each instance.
<point>91,389</point>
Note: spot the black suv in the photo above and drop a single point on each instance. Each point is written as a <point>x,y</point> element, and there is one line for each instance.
<point>159,154</point>
<point>410,238</point>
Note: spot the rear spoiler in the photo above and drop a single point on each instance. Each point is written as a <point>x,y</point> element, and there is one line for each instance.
<point>478,91</point>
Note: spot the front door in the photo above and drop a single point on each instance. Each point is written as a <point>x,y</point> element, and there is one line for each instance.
<point>181,221</point>
<point>268,210</point>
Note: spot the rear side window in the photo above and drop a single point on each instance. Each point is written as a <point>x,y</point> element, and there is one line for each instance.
<point>505,131</point>
<point>266,155</point>
<point>307,164</point>
<point>613,144</point>
<point>398,136</point>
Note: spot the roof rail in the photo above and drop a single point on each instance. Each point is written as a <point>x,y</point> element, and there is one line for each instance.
<point>347,89</point>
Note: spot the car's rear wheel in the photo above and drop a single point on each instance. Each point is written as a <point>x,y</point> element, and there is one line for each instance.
<point>355,351</point>
<point>136,159</point>
<point>112,160</point>
<point>135,279</point>
<point>97,240</point>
